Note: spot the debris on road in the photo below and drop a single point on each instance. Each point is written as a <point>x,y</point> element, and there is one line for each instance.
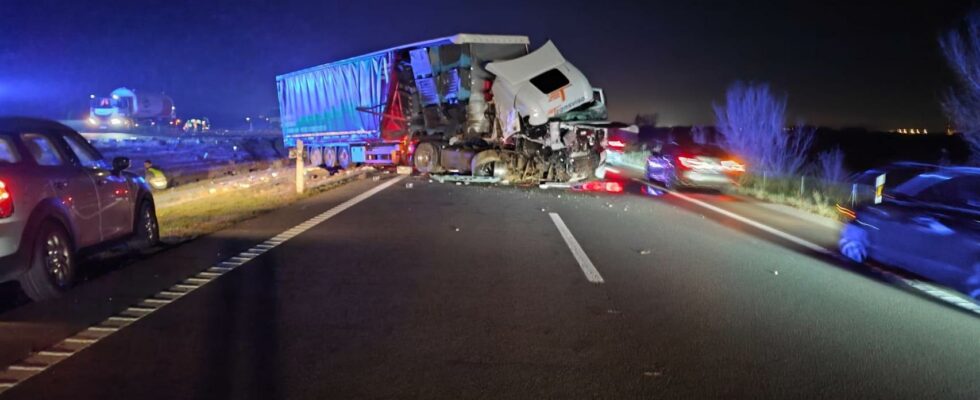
<point>644,252</point>
<point>409,185</point>
<point>376,178</point>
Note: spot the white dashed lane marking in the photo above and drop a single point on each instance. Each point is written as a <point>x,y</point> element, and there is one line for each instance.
<point>591,273</point>
<point>42,360</point>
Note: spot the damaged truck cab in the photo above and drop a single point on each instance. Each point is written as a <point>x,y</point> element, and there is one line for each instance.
<point>464,104</point>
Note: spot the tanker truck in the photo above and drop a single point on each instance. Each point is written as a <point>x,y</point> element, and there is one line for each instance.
<point>125,109</point>
<point>467,104</point>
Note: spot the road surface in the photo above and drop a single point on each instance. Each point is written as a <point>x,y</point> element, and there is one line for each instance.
<point>379,290</point>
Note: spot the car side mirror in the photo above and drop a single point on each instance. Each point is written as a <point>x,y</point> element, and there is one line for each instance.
<point>120,164</point>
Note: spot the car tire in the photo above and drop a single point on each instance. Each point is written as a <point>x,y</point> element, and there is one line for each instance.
<point>853,244</point>
<point>51,266</point>
<point>146,227</point>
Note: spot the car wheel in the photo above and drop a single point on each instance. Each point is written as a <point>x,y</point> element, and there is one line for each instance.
<point>854,244</point>
<point>51,269</point>
<point>146,230</point>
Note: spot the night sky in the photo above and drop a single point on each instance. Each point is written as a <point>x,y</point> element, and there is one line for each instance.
<point>842,63</point>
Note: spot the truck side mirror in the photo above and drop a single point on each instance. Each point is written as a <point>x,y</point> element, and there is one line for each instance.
<point>119,164</point>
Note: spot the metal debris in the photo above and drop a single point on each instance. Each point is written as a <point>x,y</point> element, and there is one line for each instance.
<point>409,185</point>
<point>645,252</point>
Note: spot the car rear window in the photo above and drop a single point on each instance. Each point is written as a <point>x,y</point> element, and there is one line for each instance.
<point>8,153</point>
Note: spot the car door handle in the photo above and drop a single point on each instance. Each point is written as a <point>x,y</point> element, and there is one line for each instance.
<point>61,184</point>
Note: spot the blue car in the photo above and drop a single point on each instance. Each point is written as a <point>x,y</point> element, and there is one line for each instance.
<point>930,226</point>
<point>693,166</point>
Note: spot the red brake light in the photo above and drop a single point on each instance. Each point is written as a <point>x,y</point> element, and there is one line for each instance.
<point>617,145</point>
<point>688,162</point>
<point>6,201</point>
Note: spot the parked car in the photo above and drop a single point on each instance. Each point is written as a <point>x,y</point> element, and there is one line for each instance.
<point>60,200</point>
<point>693,166</point>
<point>863,184</point>
<point>929,225</point>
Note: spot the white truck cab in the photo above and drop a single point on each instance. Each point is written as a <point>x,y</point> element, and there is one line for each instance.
<point>539,86</point>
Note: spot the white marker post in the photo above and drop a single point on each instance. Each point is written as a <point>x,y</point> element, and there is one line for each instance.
<point>879,188</point>
<point>300,168</point>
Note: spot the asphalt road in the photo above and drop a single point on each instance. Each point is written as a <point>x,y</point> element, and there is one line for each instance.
<point>446,291</point>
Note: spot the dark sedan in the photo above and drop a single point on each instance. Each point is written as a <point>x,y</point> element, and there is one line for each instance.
<point>929,226</point>
<point>693,166</point>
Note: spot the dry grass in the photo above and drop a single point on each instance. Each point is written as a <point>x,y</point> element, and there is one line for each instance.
<point>220,210</point>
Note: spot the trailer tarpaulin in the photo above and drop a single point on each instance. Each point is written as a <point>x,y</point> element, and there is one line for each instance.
<point>335,102</point>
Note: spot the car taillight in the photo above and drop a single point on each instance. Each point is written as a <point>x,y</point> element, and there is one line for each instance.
<point>688,162</point>
<point>6,201</point>
<point>732,166</point>
<point>616,145</point>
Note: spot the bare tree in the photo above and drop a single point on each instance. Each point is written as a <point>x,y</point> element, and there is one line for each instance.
<point>961,46</point>
<point>832,165</point>
<point>752,123</point>
<point>699,134</point>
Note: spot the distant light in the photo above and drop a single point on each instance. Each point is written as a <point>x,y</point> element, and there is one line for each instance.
<point>91,96</point>
<point>93,121</point>
<point>247,119</point>
<point>115,97</point>
<point>926,131</point>
<point>115,121</point>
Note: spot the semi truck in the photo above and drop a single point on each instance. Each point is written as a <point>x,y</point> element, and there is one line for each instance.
<point>467,104</point>
<point>126,109</point>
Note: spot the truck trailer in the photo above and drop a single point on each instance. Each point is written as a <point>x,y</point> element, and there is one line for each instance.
<point>464,104</point>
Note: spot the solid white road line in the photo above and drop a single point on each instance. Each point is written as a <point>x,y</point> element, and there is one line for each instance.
<point>212,272</point>
<point>588,268</point>
<point>776,232</point>
<point>918,285</point>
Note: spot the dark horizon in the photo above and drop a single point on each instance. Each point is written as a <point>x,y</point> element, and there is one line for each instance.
<point>840,64</point>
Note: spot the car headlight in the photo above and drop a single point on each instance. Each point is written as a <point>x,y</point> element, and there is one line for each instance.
<point>93,121</point>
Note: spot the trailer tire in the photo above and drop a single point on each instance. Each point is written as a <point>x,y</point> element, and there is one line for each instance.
<point>330,157</point>
<point>343,157</point>
<point>426,158</point>
<point>316,156</point>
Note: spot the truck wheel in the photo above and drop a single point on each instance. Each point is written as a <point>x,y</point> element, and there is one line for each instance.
<point>330,157</point>
<point>146,230</point>
<point>426,158</point>
<point>51,269</point>
<point>488,163</point>
<point>344,157</point>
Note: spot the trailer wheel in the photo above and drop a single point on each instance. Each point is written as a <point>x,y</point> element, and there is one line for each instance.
<point>426,158</point>
<point>330,157</point>
<point>344,157</point>
<point>316,156</point>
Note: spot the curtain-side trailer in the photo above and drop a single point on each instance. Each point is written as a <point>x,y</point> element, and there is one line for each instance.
<point>468,103</point>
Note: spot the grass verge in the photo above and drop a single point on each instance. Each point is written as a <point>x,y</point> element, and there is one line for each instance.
<point>211,213</point>
<point>806,193</point>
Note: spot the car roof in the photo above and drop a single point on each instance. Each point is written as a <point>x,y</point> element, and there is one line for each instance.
<point>32,124</point>
<point>961,170</point>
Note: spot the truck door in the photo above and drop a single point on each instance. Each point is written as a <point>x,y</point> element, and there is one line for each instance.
<point>115,199</point>
<point>73,187</point>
